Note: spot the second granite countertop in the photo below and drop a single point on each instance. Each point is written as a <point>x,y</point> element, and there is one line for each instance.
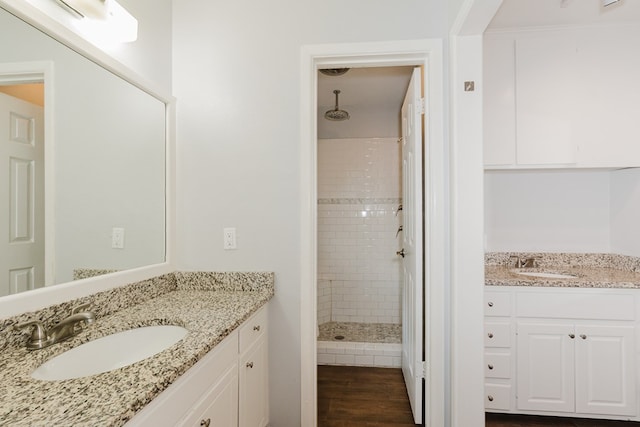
<point>585,277</point>
<point>112,398</point>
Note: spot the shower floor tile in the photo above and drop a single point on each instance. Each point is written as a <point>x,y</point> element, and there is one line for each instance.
<point>361,332</point>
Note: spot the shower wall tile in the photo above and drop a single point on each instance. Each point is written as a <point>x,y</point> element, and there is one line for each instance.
<point>359,193</point>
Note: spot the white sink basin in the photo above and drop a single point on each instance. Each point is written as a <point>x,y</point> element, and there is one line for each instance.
<point>110,352</point>
<point>546,275</point>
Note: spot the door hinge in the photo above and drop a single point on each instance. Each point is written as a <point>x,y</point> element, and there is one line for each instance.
<point>422,106</point>
<point>422,369</point>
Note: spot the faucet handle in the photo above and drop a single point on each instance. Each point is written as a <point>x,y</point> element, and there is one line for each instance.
<point>38,333</point>
<point>518,263</point>
<point>80,308</point>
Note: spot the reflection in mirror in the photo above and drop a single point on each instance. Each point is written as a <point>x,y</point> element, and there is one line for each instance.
<point>95,176</point>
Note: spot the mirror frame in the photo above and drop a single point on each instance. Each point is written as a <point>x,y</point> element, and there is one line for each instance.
<point>42,297</point>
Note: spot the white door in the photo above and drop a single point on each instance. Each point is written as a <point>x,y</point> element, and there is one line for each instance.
<point>605,370</point>
<point>545,367</point>
<point>412,289</point>
<point>21,195</point>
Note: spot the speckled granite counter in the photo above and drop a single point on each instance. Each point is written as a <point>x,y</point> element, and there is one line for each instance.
<point>209,306</point>
<point>590,270</point>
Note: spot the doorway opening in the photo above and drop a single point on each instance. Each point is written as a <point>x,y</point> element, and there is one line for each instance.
<point>426,54</point>
<point>360,218</point>
<point>363,282</point>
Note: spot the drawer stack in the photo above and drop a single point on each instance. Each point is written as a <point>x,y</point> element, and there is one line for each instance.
<point>498,351</point>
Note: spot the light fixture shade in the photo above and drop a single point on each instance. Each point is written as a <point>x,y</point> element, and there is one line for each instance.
<point>609,2</point>
<point>103,22</point>
<point>93,9</point>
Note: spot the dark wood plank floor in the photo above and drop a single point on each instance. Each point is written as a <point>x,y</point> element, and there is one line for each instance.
<point>362,397</point>
<point>505,420</point>
<point>376,397</point>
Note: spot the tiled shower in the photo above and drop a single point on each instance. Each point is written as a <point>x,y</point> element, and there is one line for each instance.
<point>359,273</point>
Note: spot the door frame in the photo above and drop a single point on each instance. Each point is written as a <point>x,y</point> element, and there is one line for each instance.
<point>41,72</point>
<point>427,53</point>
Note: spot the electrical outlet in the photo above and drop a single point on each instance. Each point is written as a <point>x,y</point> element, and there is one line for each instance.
<point>117,238</point>
<point>229,238</point>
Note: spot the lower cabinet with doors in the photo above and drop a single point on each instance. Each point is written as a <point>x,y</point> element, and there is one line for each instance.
<point>228,387</point>
<point>574,353</point>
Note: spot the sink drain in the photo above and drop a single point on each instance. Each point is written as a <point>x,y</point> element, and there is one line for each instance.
<point>339,337</point>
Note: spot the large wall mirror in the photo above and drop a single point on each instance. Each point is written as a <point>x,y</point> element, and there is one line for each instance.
<point>85,195</point>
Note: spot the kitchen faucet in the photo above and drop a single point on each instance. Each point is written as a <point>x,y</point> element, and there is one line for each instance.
<point>66,328</point>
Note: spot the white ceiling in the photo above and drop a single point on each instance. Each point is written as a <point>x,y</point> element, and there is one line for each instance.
<point>371,96</point>
<point>539,13</point>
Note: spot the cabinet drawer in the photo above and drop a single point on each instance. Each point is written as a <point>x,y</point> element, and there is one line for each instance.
<point>253,329</point>
<point>497,365</point>
<point>497,303</point>
<point>497,334</point>
<point>602,306</point>
<point>497,396</point>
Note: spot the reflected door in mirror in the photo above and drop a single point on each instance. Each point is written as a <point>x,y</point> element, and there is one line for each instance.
<point>22,182</point>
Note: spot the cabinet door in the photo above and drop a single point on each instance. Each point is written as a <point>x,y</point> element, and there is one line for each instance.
<point>605,370</point>
<point>545,96</point>
<point>545,367</point>
<point>254,400</point>
<point>499,102</point>
<point>219,406</point>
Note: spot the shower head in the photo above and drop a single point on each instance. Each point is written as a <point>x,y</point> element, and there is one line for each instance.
<point>334,71</point>
<point>336,115</point>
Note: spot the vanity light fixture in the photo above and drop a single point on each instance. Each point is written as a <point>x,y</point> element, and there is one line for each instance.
<point>102,21</point>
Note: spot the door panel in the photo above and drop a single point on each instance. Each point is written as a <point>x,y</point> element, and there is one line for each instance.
<point>605,370</point>
<point>545,367</point>
<point>22,189</point>
<point>412,291</point>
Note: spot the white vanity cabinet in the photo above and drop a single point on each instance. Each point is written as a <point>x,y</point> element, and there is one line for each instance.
<point>561,98</point>
<point>254,374</point>
<point>574,352</point>
<point>576,367</point>
<point>498,354</point>
<point>227,387</point>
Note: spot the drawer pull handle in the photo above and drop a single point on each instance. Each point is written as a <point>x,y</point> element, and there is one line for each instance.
<point>256,328</point>
<point>490,335</point>
<point>490,304</point>
<point>572,336</point>
<point>205,423</point>
<point>490,398</point>
<point>490,366</point>
<point>249,365</point>
<point>583,336</point>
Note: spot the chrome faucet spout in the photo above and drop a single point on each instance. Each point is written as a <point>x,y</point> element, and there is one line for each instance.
<point>66,328</point>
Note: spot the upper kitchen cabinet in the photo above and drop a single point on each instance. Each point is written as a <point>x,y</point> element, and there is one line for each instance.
<point>562,97</point>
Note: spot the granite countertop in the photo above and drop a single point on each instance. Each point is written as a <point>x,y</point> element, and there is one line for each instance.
<point>586,277</point>
<point>112,398</point>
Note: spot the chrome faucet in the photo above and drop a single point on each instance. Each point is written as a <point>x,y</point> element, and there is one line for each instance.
<point>524,262</point>
<point>66,328</point>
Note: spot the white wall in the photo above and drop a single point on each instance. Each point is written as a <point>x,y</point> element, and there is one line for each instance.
<point>547,211</point>
<point>625,212</point>
<point>236,76</point>
<point>563,211</point>
<point>359,192</point>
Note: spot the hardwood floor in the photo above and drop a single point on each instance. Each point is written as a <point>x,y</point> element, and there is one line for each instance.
<point>505,420</point>
<point>376,397</point>
<point>362,397</point>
